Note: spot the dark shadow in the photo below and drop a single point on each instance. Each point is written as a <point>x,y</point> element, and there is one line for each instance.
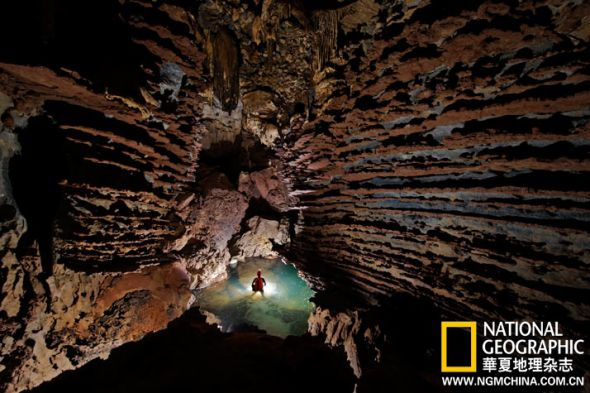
<point>191,356</point>
<point>89,37</point>
<point>34,176</point>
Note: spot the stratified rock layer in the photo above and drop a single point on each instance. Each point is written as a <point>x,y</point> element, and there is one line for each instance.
<point>96,150</point>
<point>449,160</point>
<point>126,130</point>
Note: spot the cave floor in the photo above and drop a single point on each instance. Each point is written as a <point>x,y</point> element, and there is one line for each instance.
<point>193,356</point>
<point>283,310</point>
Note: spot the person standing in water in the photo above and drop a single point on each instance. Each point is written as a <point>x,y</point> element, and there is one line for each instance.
<point>258,283</point>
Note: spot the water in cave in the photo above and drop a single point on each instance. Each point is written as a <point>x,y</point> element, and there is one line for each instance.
<point>282,310</point>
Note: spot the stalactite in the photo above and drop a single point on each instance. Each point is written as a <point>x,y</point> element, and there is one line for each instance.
<point>226,83</point>
<point>326,37</point>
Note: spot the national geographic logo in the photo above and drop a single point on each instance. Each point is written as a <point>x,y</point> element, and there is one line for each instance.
<point>458,347</point>
<point>513,353</point>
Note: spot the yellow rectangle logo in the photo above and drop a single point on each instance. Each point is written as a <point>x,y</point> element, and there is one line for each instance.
<point>471,368</point>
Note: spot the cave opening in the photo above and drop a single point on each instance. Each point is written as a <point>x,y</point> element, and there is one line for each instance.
<point>282,310</point>
<point>244,154</point>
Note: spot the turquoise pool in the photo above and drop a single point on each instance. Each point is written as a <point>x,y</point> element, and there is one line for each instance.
<point>281,311</point>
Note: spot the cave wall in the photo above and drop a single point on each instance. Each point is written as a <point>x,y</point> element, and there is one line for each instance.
<point>136,149</point>
<point>98,146</point>
<point>99,152</point>
<point>449,159</point>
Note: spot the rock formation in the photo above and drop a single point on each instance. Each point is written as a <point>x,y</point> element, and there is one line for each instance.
<point>261,238</point>
<point>433,151</point>
<point>448,158</point>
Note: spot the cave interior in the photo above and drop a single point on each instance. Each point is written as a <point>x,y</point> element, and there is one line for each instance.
<point>398,163</point>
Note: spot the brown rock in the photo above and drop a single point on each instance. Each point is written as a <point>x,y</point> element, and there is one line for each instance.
<point>259,239</point>
<point>266,184</point>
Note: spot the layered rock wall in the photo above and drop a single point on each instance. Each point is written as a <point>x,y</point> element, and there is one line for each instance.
<point>449,159</point>
<point>94,156</point>
<point>136,144</point>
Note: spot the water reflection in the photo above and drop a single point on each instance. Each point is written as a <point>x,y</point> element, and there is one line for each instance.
<point>281,311</point>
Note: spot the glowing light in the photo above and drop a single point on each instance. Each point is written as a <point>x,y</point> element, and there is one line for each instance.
<point>270,288</point>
